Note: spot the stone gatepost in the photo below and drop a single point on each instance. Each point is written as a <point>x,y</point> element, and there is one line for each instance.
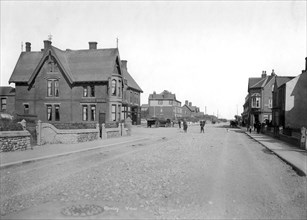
<point>304,138</point>
<point>103,132</point>
<point>128,122</point>
<point>122,127</point>
<point>39,132</point>
<point>98,131</point>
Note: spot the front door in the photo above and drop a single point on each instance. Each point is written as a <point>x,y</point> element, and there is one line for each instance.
<point>102,120</point>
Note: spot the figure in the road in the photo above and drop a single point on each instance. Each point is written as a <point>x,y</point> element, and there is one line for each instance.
<point>202,125</point>
<point>179,122</point>
<point>185,126</point>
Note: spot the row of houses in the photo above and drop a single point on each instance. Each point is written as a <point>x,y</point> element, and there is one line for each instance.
<point>68,86</point>
<point>278,101</point>
<point>165,105</point>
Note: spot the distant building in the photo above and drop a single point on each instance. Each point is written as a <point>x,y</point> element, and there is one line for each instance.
<point>164,105</point>
<point>188,110</point>
<point>7,100</point>
<point>290,101</point>
<point>66,86</point>
<point>258,102</point>
<point>279,92</point>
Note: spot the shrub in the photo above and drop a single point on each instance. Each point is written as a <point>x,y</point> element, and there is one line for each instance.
<point>9,125</point>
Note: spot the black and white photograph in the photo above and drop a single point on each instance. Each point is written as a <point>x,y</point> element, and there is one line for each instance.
<point>142,109</point>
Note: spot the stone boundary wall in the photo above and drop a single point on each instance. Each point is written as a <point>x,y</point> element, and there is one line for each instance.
<point>48,134</point>
<point>14,140</point>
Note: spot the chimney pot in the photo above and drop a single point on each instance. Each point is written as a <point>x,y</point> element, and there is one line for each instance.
<point>47,44</point>
<point>92,45</point>
<point>263,75</point>
<point>28,47</point>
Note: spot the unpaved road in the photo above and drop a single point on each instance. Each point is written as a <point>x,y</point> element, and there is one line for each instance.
<point>221,174</point>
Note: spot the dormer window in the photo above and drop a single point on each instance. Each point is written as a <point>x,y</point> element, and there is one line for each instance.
<point>85,91</point>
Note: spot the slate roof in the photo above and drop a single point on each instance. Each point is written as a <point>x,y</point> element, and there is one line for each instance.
<point>165,95</point>
<point>79,65</point>
<point>280,80</point>
<point>130,81</point>
<point>7,91</point>
<point>258,82</point>
<point>25,66</point>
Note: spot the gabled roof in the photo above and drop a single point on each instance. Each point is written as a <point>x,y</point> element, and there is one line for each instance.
<point>7,91</point>
<point>130,81</point>
<point>280,80</point>
<point>78,65</point>
<point>259,82</point>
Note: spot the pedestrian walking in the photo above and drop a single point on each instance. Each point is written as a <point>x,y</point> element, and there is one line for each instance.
<point>202,125</point>
<point>185,126</point>
<point>179,122</point>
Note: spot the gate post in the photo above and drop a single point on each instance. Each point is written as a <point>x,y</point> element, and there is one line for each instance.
<point>304,138</point>
<point>39,132</point>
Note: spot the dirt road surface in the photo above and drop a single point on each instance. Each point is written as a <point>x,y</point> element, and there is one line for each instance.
<point>221,174</point>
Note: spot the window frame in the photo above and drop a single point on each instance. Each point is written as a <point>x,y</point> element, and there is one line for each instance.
<point>3,104</point>
<point>93,112</point>
<point>84,113</point>
<point>113,87</point>
<point>85,91</point>
<point>49,113</point>
<point>92,91</point>
<point>113,112</point>
<point>26,110</point>
<point>160,102</point>
<point>57,113</point>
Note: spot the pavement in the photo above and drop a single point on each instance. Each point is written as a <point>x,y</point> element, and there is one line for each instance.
<point>292,155</point>
<point>48,151</point>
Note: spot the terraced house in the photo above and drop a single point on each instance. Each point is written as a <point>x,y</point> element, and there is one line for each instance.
<point>90,85</point>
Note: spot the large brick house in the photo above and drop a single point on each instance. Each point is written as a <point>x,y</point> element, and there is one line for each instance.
<point>164,105</point>
<point>91,85</point>
<point>258,102</point>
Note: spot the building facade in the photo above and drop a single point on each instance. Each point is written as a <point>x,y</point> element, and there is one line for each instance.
<point>69,86</point>
<point>164,105</point>
<point>290,102</point>
<point>7,100</point>
<point>259,101</point>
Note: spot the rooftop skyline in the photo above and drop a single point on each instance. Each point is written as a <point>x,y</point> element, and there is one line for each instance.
<point>203,52</point>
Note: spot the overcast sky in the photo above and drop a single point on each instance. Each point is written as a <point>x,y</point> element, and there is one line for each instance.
<point>203,51</point>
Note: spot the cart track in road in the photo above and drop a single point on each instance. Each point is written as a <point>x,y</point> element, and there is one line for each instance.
<point>32,177</point>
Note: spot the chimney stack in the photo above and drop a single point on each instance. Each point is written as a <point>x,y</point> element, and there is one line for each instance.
<point>273,73</point>
<point>47,44</point>
<point>28,47</point>
<point>190,104</point>
<point>124,64</point>
<point>92,45</point>
<point>186,102</point>
<point>305,63</point>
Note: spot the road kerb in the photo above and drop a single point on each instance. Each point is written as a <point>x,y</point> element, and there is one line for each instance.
<point>300,171</point>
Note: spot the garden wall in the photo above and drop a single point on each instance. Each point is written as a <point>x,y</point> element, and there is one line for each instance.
<point>14,140</point>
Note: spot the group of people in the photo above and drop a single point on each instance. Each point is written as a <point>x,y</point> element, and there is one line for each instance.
<point>185,125</point>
